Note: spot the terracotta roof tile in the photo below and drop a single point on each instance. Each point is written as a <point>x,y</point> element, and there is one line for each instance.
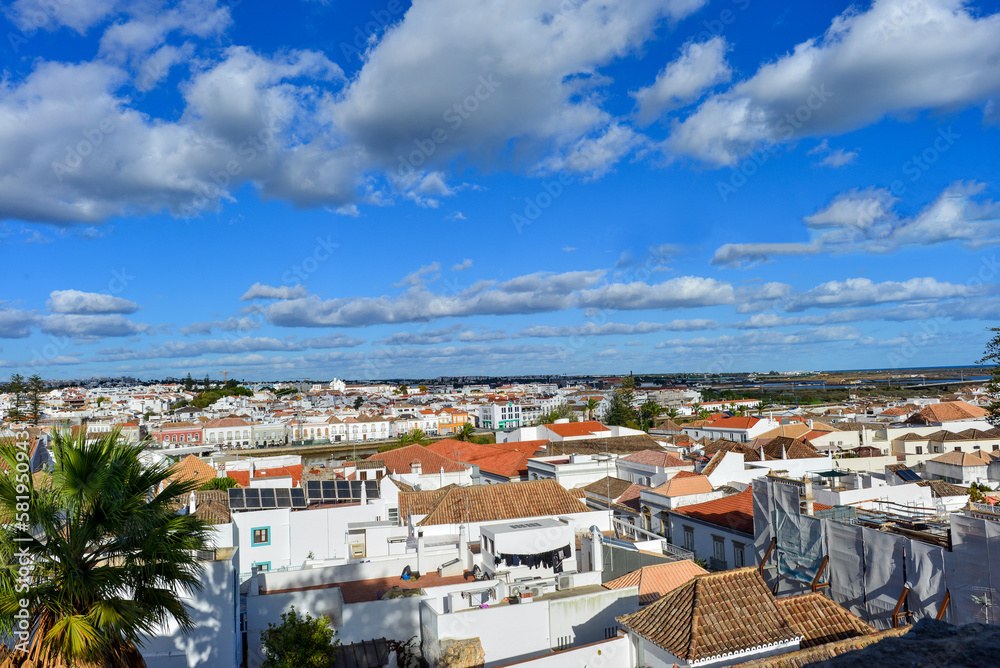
<point>398,461</point>
<point>734,511</point>
<point>948,411</point>
<point>820,620</point>
<point>961,459</point>
<point>683,486</point>
<point>712,615</point>
<point>571,429</point>
<point>657,458</point>
<point>506,501</point>
<point>658,580</point>
<point>192,468</point>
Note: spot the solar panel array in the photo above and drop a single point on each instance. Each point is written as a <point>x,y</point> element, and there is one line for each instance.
<point>265,498</point>
<point>908,475</point>
<point>340,491</point>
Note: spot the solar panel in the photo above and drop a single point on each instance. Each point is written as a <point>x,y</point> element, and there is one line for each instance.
<point>283,497</point>
<point>343,489</point>
<point>253,498</point>
<point>908,475</point>
<point>236,501</point>
<point>267,499</point>
<point>313,489</point>
<point>298,498</point>
<point>330,488</point>
<point>371,489</point>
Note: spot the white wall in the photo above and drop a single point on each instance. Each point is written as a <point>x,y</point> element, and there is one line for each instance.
<point>214,641</point>
<point>614,653</point>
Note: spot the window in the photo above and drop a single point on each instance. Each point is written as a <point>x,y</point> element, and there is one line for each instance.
<point>739,557</point>
<point>689,539</point>
<point>920,450</point>
<point>263,567</point>
<point>261,536</point>
<point>719,548</point>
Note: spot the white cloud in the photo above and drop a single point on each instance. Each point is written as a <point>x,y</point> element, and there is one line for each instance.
<point>244,324</point>
<point>864,220</point>
<point>247,344</point>
<point>88,303</point>
<point>895,58</point>
<point>699,67</point>
<point>462,266</point>
<point>79,15</point>
<point>90,326</point>
<point>421,276</point>
<point>261,291</point>
<point>16,323</point>
<point>865,292</point>
<point>531,293</point>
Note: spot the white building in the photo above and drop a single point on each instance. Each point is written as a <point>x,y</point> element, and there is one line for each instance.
<point>500,416</point>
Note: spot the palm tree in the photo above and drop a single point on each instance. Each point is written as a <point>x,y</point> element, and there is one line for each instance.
<point>417,436</point>
<point>401,389</point>
<point>466,432</point>
<point>591,406</point>
<point>111,557</point>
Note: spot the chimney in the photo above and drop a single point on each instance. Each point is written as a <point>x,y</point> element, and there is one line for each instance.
<point>192,504</point>
<point>364,493</point>
<point>441,477</point>
<point>597,548</point>
<point>415,467</point>
<point>809,423</point>
<point>807,490</point>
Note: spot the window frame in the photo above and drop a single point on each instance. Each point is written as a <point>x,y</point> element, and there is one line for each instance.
<point>253,536</point>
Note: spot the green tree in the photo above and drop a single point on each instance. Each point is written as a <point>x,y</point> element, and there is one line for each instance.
<point>648,413</point>
<point>466,432</point>
<point>208,384</point>
<point>417,436</point>
<point>620,411</point>
<point>990,356</point>
<point>299,642</point>
<point>16,387</point>
<point>401,389</point>
<point>35,388</point>
<point>422,389</point>
<point>222,483</point>
<point>189,383</point>
<point>590,407</point>
<point>359,402</point>
<point>111,558</point>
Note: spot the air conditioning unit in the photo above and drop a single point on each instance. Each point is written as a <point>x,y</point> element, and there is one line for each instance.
<point>564,582</point>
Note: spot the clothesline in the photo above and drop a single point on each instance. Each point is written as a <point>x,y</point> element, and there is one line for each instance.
<point>549,559</point>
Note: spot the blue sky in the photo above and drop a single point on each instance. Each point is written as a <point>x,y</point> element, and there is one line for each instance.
<point>375,190</point>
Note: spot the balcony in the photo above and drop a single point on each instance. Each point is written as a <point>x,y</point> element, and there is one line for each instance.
<point>717,564</point>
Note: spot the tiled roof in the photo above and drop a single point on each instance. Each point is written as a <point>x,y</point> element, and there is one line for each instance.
<point>212,506</point>
<point>940,488</point>
<point>961,459</point>
<point>506,501</point>
<point>714,463</point>
<point>683,486</point>
<point>714,614</point>
<point>820,620</point>
<point>608,485</point>
<point>658,580</point>
<point>509,460</point>
<point>656,458</point>
<point>192,468</point>
<point>225,422</point>
<point>734,511</point>
<point>420,503</point>
<point>398,461</point>
<point>614,444</point>
<point>783,447</point>
<point>733,423</point>
<point>570,429</point>
<point>749,454</point>
<point>949,411</point>
<point>821,653</point>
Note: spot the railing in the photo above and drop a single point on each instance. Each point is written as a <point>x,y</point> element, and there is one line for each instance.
<point>679,553</point>
<point>717,564</point>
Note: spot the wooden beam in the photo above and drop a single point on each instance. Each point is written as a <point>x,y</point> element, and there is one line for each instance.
<point>767,555</point>
<point>899,605</point>
<point>944,605</point>
<point>816,584</point>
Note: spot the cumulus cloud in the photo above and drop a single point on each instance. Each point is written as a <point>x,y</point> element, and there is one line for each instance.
<point>895,58</point>
<point>462,266</point>
<point>865,292</point>
<point>247,344</point>
<point>16,323</point>
<point>244,324</point>
<point>700,66</point>
<point>865,220</point>
<point>91,326</point>
<point>261,291</point>
<point>531,293</point>
<point>88,303</point>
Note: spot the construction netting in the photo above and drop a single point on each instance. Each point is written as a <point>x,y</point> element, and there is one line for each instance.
<point>869,569</point>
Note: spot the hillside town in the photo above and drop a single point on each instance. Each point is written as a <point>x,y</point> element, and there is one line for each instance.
<point>420,520</point>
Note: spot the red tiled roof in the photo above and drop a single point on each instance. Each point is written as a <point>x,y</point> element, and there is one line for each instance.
<point>658,580</point>
<point>733,423</point>
<point>398,461</point>
<point>734,511</point>
<point>949,411</point>
<point>683,486</point>
<point>570,429</point>
<point>821,620</point>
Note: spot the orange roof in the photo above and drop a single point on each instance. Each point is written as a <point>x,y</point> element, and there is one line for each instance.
<point>506,501</point>
<point>398,461</point>
<point>570,429</point>
<point>733,423</point>
<point>734,511</point>
<point>657,580</point>
<point>683,486</point>
<point>192,468</point>
<point>950,411</point>
<point>508,463</point>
